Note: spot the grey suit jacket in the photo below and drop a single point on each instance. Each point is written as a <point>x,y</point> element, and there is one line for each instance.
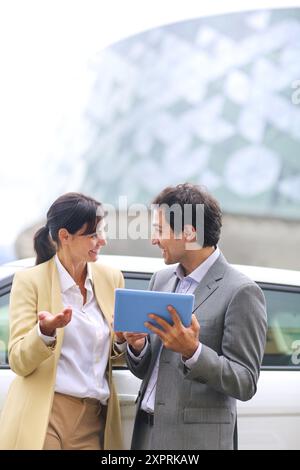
<point>196,408</point>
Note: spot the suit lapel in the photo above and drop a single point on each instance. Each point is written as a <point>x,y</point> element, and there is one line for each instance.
<point>210,282</point>
<point>155,344</point>
<point>170,284</point>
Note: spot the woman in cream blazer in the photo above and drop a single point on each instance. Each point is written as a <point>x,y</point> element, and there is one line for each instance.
<point>61,342</point>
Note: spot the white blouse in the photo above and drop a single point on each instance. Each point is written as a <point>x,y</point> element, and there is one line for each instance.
<point>81,369</point>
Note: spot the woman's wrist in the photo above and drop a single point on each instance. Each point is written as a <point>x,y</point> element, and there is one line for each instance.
<point>46,331</point>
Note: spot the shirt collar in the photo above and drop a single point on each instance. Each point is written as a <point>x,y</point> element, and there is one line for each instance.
<point>199,273</point>
<point>66,280</point>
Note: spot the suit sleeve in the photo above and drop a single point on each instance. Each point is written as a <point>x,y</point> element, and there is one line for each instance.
<point>236,371</point>
<point>26,350</point>
<point>140,368</point>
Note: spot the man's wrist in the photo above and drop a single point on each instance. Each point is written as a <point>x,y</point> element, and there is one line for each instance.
<point>117,341</point>
<point>134,351</point>
<point>119,338</point>
<point>186,355</point>
<point>137,352</point>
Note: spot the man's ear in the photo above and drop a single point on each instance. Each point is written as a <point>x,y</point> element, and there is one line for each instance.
<point>190,234</point>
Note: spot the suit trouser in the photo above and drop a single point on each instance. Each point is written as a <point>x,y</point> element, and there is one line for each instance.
<point>75,424</point>
<point>142,438</point>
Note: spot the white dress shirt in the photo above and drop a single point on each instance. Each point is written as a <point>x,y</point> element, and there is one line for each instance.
<point>186,285</point>
<point>81,369</point>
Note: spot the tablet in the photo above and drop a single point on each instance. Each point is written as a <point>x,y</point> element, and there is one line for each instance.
<point>132,308</point>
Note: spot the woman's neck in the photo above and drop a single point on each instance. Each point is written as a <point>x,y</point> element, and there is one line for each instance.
<point>76,269</point>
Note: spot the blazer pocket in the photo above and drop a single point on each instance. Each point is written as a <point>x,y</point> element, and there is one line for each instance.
<point>209,324</point>
<point>208,321</point>
<point>207,415</point>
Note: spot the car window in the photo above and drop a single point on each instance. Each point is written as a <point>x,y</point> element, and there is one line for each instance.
<point>4,329</point>
<point>283,338</point>
<point>132,282</point>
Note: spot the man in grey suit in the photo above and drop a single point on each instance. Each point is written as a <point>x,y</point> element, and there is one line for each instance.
<point>193,376</point>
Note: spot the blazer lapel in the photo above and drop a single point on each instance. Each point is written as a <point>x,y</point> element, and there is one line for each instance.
<point>56,299</point>
<point>155,344</point>
<point>171,284</point>
<point>102,294</point>
<point>210,282</point>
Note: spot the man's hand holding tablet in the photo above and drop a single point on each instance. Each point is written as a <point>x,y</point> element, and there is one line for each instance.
<point>178,331</point>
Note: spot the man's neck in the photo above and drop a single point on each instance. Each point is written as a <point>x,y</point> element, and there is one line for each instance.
<point>193,258</point>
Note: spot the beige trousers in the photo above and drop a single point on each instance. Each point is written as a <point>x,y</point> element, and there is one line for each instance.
<point>75,424</point>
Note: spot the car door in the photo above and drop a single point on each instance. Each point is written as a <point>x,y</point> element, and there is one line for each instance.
<point>271,419</point>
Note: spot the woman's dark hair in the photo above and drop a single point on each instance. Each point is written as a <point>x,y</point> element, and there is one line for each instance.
<point>191,195</point>
<point>70,211</point>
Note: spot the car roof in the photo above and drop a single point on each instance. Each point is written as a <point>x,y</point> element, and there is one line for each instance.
<point>150,265</point>
<point>138,264</point>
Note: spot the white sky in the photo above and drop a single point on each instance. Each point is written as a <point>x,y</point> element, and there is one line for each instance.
<point>45,48</point>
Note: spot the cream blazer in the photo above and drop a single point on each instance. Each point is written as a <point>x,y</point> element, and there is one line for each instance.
<point>25,416</point>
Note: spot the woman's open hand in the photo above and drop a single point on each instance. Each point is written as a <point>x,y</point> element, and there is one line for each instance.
<point>49,322</point>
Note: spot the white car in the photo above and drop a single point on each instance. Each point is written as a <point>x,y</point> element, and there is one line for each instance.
<point>271,419</point>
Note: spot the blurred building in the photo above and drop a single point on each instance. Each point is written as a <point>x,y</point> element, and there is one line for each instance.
<point>211,101</point>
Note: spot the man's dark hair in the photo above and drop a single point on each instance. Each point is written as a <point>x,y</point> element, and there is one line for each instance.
<point>193,196</point>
